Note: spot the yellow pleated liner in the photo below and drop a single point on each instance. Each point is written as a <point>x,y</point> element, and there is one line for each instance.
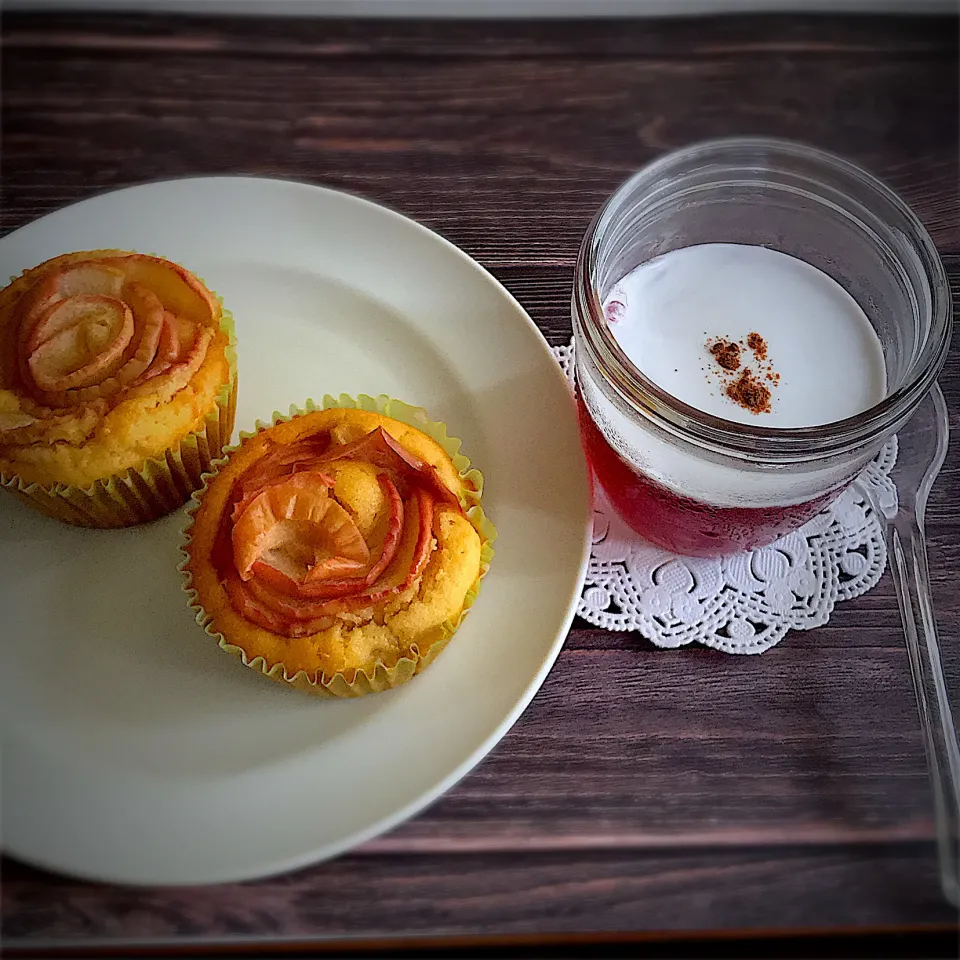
<point>160,484</point>
<point>382,677</point>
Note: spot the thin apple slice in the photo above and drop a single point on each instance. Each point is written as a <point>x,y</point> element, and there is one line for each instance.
<point>299,593</point>
<point>79,342</point>
<point>280,462</point>
<point>270,588</point>
<point>256,604</point>
<point>259,529</point>
<point>250,609</point>
<point>353,601</point>
<point>311,589</point>
<point>90,277</point>
<point>272,598</point>
<point>291,525</point>
<point>272,582</point>
<point>82,279</point>
<point>426,472</point>
<point>421,554</point>
<point>148,312</point>
<point>178,374</point>
<point>180,292</point>
<point>424,547</point>
<point>304,480</point>
<point>330,568</point>
<point>169,347</point>
<point>53,287</point>
<point>380,449</point>
<point>338,536</point>
<point>391,540</point>
<point>32,306</point>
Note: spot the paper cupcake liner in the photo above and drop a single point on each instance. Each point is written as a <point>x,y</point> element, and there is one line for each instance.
<point>381,677</point>
<point>156,487</point>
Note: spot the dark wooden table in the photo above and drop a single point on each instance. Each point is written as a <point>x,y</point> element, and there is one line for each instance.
<point>643,790</point>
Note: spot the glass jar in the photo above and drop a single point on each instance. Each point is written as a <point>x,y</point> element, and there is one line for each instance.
<point>693,482</point>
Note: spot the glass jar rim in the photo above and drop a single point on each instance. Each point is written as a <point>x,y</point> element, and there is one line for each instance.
<point>744,439</point>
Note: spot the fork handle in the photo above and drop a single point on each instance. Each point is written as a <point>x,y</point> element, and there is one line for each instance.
<point>907,553</point>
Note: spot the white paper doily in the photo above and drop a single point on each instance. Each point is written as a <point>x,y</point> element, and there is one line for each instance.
<point>745,603</point>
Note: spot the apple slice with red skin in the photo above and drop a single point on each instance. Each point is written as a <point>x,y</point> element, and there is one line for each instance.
<point>421,554</point>
<point>298,607</point>
<point>258,603</point>
<point>148,310</point>
<point>310,589</point>
<point>340,537</point>
<point>329,568</point>
<point>288,608</point>
<point>278,463</point>
<point>59,353</point>
<point>250,608</point>
<point>304,479</point>
<point>304,613</point>
<point>222,554</point>
<point>138,353</point>
<point>391,539</point>
<point>324,613</point>
<point>178,374</point>
<point>69,281</point>
<point>168,348</point>
<point>380,449</point>
<point>263,525</point>
<point>159,343</point>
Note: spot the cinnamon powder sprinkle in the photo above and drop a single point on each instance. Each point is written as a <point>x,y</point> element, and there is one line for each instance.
<point>750,393</point>
<point>758,345</point>
<point>748,388</point>
<point>727,354</point>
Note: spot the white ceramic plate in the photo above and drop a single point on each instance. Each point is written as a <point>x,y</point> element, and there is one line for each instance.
<point>133,749</point>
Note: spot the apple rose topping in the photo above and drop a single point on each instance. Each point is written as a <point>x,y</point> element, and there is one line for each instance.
<point>104,329</point>
<point>292,557</point>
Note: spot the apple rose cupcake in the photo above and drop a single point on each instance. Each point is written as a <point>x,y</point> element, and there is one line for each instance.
<point>338,550</point>
<point>117,386</point>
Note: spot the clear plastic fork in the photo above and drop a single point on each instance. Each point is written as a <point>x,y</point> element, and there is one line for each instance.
<point>922,446</point>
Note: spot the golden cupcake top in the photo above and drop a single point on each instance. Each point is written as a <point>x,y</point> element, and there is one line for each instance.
<point>336,540</point>
<point>85,334</point>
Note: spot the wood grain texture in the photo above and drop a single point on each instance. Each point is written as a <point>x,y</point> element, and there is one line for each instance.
<point>508,893</point>
<point>643,789</point>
